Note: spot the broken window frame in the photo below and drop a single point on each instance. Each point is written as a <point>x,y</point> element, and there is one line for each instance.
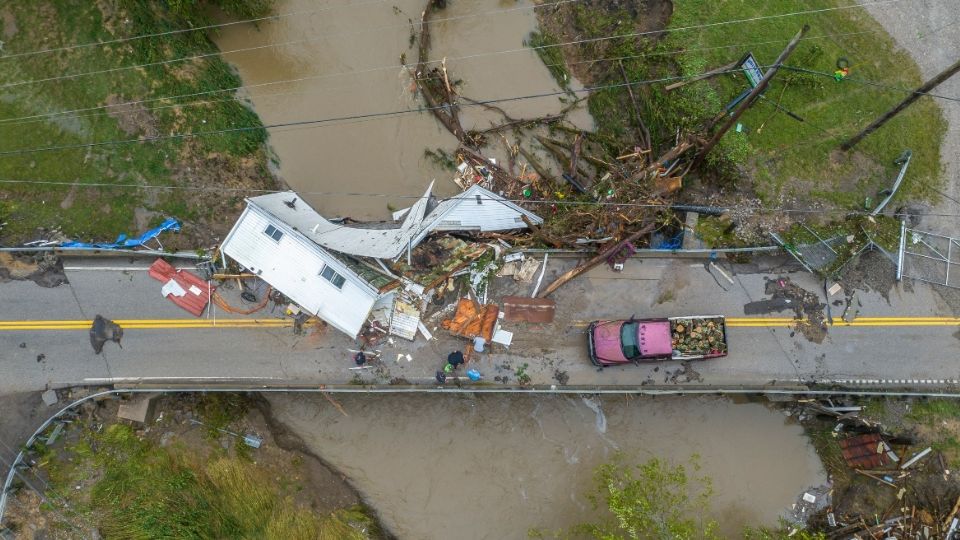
<point>335,278</point>
<point>273,235</point>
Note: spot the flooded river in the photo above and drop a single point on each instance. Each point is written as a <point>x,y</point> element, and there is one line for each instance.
<point>345,59</point>
<point>441,466</point>
<point>455,466</point>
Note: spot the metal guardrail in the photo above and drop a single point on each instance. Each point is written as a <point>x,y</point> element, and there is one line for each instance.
<point>94,252</point>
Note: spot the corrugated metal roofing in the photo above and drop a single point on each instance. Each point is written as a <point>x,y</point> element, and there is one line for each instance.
<point>388,243</point>
<point>860,451</point>
<point>476,209</point>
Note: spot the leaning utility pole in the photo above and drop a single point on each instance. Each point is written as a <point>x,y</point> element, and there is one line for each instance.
<point>915,95</point>
<point>761,86</point>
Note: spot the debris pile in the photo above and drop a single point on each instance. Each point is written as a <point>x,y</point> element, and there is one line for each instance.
<point>883,485</point>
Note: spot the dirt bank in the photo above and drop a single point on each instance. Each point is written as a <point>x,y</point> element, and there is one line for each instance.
<point>184,429</point>
<point>885,487</point>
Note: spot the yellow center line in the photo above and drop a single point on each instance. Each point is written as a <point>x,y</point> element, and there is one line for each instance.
<point>146,324</point>
<point>774,322</point>
<point>173,324</point>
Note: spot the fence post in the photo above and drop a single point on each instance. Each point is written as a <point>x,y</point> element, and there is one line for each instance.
<point>903,241</point>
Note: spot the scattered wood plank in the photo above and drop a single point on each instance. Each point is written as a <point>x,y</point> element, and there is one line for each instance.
<point>599,258</point>
<point>875,477</point>
<point>575,154</point>
<point>956,508</point>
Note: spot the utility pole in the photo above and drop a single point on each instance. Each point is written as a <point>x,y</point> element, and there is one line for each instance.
<point>915,95</point>
<point>748,101</point>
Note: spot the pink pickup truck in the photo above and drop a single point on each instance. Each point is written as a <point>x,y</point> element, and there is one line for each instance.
<point>645,340</point>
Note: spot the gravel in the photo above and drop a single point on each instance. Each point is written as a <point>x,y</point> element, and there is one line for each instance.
<point>929,30</point>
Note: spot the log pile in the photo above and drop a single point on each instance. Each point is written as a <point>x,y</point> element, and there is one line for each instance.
<point>694,337</point>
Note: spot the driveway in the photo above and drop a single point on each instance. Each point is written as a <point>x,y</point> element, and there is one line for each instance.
<point>929,30</point>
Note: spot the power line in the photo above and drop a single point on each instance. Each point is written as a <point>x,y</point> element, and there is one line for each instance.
<point>328,120</point>
<point>180,136</point>
<point>588,40</point>
<point>871,83</point>
<point>182,31</point>
<point>40,117</point>
<point>277,44</point>
<point>557,202</point>
<point>508,51</point>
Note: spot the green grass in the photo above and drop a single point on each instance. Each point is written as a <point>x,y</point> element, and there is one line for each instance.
<point>823,440</point>
<point>787,160</point>
<point>102,212</point>
<point>940,417</point>
<point>934,411</point>
<point>144,491</point>
<point>552,56</point>
<point>793,157</point>
<point>220,409</point>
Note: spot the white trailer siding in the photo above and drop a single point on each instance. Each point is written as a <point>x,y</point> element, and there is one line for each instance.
<point>293,264</point>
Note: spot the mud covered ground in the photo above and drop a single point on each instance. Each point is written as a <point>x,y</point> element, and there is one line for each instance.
<point>922,496</point>
<point>52,501</point>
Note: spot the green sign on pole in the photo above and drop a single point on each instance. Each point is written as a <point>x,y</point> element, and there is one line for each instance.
<point>751,69</point>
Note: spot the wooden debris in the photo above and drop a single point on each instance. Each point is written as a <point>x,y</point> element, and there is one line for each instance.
<point>471,319</point>
<point>712,73</point>
<point>599,258</point>
<point>875,477</point>
<point>643,132</point>
<point>950,516</point>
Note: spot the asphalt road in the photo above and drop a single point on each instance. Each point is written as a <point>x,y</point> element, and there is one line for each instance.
<point>44,340</point>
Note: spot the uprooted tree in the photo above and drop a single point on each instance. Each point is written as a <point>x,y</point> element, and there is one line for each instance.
<point>591,185</point>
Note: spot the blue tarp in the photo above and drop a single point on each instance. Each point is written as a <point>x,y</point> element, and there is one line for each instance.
<point>122,242</point>
<point>661,242</point>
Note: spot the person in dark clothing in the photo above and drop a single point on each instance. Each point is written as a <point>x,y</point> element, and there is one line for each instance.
<point>455,359</point>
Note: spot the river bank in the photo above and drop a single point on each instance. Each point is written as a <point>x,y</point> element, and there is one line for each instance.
<point>495,466</point>
<point>468,466</point>
<point>189,465</point>
<point>455,461</point>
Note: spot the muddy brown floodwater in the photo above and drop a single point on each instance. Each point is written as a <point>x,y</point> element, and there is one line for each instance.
<point>445,466</point>
<point>346,61</point>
